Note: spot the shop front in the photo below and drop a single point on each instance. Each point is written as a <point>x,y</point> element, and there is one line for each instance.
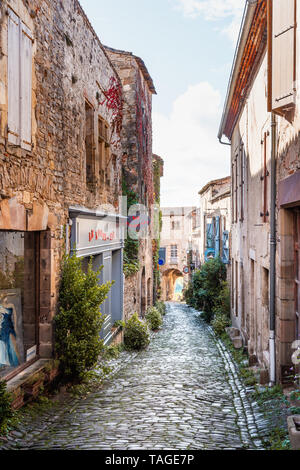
<point>101,237</point>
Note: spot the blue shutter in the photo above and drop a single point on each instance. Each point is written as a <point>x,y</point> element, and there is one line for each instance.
<point>210,242</point>
<point>162,255</point>
<point>217,237</point>
<point>225,251</point>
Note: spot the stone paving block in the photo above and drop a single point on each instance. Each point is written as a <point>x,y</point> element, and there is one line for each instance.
<point>168,397</point>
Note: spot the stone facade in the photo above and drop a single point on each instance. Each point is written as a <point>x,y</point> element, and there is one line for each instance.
<point>70,74</point>
<point>213,220</point>
<point>249,128</point>
<point>137,163</point>
<point>177,243</point>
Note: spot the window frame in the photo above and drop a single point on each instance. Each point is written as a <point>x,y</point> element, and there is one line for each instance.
<point>19,82</point>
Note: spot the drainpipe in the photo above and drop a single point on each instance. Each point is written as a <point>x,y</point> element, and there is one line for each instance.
<point>273,253</point>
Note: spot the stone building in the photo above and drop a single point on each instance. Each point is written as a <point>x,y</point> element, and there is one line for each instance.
<point>60,161</point>
<point>213,220</point>
<point>176,248</point>
<point>261,119</point>
<point>158,173</point>
<point>138,184</point>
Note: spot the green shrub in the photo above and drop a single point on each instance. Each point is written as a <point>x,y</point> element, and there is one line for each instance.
<point>79,321</point>
<point>111,352</point>
<point>154,318</point>
<point>222,301</point>
<point>203,291</point>
<point>161,307</point>
<point>219,323</point>
<point>6,413</point>
<point>136,334</point>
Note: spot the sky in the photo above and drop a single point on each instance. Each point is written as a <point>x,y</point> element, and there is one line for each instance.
<point>188,47</point>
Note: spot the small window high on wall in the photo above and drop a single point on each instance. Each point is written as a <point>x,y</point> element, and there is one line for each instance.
<point>19,68</point>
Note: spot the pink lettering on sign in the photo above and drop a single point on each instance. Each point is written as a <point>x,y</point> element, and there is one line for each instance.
<point>98,235</point>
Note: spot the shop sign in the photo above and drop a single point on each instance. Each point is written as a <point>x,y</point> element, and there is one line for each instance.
<point>92,233</point>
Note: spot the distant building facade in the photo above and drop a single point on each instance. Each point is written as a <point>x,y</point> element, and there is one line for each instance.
<point>213,221</point>
<point>176,248</point>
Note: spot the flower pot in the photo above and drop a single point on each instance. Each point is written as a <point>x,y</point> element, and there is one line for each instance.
<point>294,431</point>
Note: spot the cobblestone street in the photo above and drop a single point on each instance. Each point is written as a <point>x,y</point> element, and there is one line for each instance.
<point>183,392</point>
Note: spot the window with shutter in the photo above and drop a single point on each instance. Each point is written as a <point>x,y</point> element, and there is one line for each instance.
<point>19,81</point>
<point>242,157</point>
<point>13,62</point>
<point>26,86</point>
<point>225,247</point>
<point>283,54</point>
<point>217,237</point>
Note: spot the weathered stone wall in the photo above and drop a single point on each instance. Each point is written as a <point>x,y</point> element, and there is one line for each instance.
<point>137,157</point>
<point>251,237</point>
<point>131,296</point>
<point>37,187</point>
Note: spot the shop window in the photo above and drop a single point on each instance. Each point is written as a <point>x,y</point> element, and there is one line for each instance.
<point>18,299</point>
<point>19,66</point>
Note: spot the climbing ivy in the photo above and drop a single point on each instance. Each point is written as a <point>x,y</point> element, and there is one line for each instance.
<point>131,249</point>
<point>156,243</point>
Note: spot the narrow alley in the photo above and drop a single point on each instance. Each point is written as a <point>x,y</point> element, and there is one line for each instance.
<point>180,393</point>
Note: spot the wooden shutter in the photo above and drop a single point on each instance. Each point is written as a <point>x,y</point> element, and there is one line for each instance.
<point>283,54</point>
<point>26,86</point>
<point>217,236</point>
<point>225,247</point>
<point>13,78</point>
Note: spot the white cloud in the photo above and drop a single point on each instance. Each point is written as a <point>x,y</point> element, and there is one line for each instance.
<point>187,141</point>
<point>213,10</point>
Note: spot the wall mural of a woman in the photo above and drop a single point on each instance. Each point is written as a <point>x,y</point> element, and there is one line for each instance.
<point>9,351</point>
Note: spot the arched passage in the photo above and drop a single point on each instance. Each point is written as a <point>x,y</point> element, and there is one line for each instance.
<point>169,283</point>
